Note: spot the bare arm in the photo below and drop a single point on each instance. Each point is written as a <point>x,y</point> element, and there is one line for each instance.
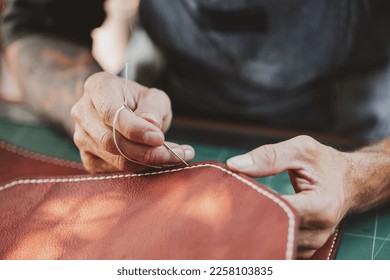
<point>370,176</point>
<point>51,73</point>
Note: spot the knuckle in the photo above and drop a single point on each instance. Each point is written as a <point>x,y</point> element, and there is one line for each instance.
<point>312,244</point>
<point>148,156</point>
<point>75,112</point>
<point>89,168</point>
<point>132,134</point>
<point>88,162</point>
<point>321,215</point>
<point>96,80</point>
<point>326,218</point>
<point>121,163</point>
<point>269,156</point>
<point>310,145</point>
<point>161,94</point>
<point>106,113</point>
<point>78,139</point>
<point>156,91</point>
<point>106,141</point>
<point>90,83</point>
<point>306,243</point>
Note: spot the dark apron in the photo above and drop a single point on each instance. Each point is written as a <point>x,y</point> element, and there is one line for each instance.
<point>318,65</point>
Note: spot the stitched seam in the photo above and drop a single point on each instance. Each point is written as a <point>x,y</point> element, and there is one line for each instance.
<point>40,157</point>
<point>269,195</point>
<point>333,244</point>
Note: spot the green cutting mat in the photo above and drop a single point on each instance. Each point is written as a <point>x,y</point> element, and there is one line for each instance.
<point>366,236</point>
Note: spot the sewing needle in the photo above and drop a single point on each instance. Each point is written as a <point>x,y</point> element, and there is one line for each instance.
<point>130,110</point>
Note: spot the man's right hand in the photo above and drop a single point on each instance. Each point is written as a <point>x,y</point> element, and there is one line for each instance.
<point>140,136</point>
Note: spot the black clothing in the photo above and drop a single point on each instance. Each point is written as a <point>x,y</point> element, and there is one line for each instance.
<point>70,19</point>
<point>309,64</point>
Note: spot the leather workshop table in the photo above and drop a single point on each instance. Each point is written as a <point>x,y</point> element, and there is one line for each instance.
<point>366,236</point>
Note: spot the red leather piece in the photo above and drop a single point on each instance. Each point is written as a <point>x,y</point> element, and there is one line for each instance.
<point>199,212</point>
<point>328,251</point>
<point>18,163</point>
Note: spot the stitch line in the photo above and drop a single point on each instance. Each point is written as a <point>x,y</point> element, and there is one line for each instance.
<point>333,244</point>
<point>267,194</point>
<point>39,157</point>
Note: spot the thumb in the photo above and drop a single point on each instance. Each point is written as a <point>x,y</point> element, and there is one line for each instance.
<point>269,160</point>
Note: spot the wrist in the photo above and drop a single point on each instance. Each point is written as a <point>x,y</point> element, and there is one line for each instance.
<point>366,180</point>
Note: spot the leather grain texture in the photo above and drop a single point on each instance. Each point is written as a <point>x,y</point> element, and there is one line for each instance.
<point>52,209</point>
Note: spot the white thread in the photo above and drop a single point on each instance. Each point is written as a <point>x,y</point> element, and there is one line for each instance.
<point>116,116</point>
<point>267,194</point>
<point>116,141</point>
<point>40,157</point>
<point>127,78</point>
<point>333,244</point>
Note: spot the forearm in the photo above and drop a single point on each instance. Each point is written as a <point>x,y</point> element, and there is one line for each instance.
<point>51,74</point>
<point>369,176</point>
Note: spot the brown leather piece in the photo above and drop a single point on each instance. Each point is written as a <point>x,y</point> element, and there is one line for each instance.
<point>199,212</point>
<point>329,250</point>
<point>19,163</point>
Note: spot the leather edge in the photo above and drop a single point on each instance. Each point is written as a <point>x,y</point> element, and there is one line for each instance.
<point>268,193</point>
<point>39,157</point>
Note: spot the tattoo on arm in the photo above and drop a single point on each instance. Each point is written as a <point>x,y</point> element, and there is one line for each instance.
<point>51,73</point>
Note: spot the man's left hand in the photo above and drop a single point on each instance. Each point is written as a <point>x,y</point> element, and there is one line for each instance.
<point>319,175</point>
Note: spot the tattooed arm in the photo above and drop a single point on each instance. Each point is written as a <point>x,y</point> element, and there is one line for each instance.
<point>44,40</point>
<point>48,49</point>
<point>51,73</point>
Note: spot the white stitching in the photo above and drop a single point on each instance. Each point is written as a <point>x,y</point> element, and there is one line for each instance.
<point>333,244</point>
<point>268,194</point>
<point>36,156</point>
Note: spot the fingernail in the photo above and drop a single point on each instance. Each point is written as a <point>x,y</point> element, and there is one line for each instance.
<point>189,153</point>
<point>153,137</point>
<point>240,162</point>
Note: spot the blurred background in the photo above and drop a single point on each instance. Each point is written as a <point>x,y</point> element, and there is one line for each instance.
<point>110,43</point>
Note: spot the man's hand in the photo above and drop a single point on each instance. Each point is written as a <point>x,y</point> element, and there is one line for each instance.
<point>140,135</point>
<point>320,176</point>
